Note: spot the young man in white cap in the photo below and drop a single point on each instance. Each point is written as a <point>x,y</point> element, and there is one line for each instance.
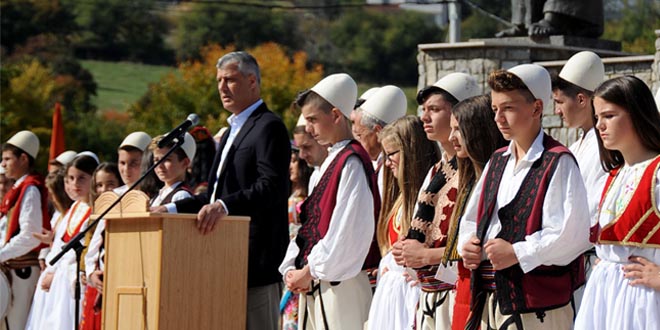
<point>336,241</point>
<point>61,160</point>
<point>572,90</point>
<point>129,162</point>
<point>383,106</point>
<point>309,150</point>
<point>526,224</point>
<point>425,242</point>
<point>24,209</point>
<point>129,158</point>
<point>172,171</point>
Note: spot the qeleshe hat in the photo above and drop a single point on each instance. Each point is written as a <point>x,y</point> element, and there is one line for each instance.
<point>537,80</point>
<point>458,84</point>
<point>138,140</point>
<point>584,69</point>
<point>387,104</point>
<point>65,157</point>
<point>26,141</point>
<point>301,121</point>
<point>338,89</point>
<point>189,146</point>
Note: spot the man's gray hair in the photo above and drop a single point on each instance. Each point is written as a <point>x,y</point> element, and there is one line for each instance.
<point>247,64</point>
<point>369,121</point>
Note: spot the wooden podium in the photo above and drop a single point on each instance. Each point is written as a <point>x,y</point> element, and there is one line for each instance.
<point>162,273</point>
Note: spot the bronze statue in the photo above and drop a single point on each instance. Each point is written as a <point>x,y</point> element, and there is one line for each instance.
<point>538,18</point>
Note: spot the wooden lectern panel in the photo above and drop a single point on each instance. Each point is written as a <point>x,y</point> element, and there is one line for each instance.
<point>161,273</point>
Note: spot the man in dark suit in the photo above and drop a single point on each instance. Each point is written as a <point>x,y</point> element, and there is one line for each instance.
<point>250,177</point>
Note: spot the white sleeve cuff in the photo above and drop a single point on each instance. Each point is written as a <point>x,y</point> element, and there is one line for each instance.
<point>526,260</point>
<point>171,208</point>
<point>223,205</point>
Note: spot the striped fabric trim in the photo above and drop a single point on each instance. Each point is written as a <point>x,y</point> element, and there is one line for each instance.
<point>487,274</point>
<point>428,281</point>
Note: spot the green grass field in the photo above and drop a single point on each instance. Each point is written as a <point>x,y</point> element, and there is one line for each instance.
<point>122,83</point>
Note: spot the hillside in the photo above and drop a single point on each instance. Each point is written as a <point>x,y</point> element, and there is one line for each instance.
<point>122,83</point>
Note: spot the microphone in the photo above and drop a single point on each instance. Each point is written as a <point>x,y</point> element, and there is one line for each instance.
<point>192,120</point>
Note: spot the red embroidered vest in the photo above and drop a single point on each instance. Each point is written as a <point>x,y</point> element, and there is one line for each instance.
<point>545,287</point>
<point>11,206</point>
<point>317,209</point>
<point>639,224</point>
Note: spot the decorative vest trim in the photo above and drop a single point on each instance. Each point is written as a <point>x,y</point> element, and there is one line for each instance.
<point>180,187</point>
<point>11,206</point>
<point>639,224</point>
<point>317,209</point>
<point>545,287</point>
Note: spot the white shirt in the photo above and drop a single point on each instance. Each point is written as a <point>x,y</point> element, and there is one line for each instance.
<point>179,195</point>
<point>565,228</point>
<point>97,239</point>
<point>29,220</point>
<point>341,253</point>
<point>380,173</point>
<point>236,122</point>
<point>587,155</point>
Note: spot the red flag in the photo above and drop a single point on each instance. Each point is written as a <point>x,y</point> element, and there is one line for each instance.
<point>57,134</point>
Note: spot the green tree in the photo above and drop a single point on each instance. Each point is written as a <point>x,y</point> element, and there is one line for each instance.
<point>634,25</point>
<point>244,27</point>
<point>21,20</point>
<point>379,47</point>
<point>122,30</point>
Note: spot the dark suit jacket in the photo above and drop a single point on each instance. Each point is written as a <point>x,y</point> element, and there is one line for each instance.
<point>254,182</point>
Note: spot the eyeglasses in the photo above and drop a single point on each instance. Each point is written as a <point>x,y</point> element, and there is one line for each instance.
<point>391,154</point>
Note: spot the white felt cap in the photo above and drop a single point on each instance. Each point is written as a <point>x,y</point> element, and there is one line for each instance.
<point>460,85</point>
<point>387,104</point>
<point>66,157</point>
<point>537,80</point>
<point>189,146</point>
<point>366,95</point>
<point>301,121</point>
<point>26,141</point>
<point>90,154</point>
<point>584,69</point>
<point>338,89</point>
<point>138,140</point>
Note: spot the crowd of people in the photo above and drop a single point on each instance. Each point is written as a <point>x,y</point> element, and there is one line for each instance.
<point>469,216</point>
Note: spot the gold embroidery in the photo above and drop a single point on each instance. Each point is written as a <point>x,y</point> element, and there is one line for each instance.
<point>443,201</point>
<point>654,209</point>
<point>651,233</point>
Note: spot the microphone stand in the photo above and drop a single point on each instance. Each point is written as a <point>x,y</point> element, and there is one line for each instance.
<point>77,246</point>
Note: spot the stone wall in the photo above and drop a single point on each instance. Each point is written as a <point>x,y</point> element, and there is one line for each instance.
<point>480,57</point>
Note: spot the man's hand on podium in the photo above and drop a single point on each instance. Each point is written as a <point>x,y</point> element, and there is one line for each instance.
<point>209,216</point>
<point>158,209</point>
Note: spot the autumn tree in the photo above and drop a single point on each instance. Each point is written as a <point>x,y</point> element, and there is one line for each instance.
<point>193,89</point>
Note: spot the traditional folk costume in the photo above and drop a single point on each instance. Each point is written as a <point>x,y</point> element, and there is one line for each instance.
<point>452,262</point>
<point>584,150</point>
<point>24,209</point>
<point>289,301</point>
<point>55,309</point>
<point>91,307</point>
<point>628,223</point>
<point>395,300</point>
<point>429,226</point>
<point>337,241</point>
<point>538,205</point>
